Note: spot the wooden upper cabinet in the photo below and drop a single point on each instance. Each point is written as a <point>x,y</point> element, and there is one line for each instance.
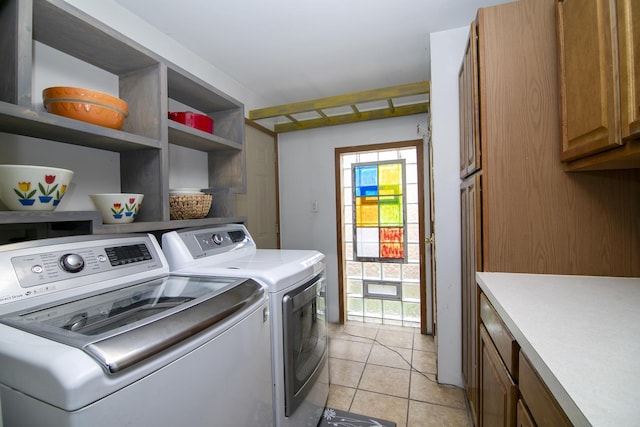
<point>468,93</point>
<point>599,88</point>
<point>589,91</point>
<point>628,12</point>
<point>462,105</point>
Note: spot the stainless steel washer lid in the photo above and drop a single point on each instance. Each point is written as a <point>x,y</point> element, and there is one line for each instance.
<point>126,326</point>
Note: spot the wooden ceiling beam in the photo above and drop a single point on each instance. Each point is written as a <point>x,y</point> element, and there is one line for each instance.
<point>385,113</point>
<point>342,100</point>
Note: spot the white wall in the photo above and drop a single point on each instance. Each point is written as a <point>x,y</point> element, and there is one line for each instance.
<point>447,49</point>
<point>307,173</point>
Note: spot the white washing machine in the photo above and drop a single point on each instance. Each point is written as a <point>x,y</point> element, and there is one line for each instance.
<point>296,282</point>
<point>94,331</point>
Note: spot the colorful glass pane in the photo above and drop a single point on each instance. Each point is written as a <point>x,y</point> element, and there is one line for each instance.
<point>391,234</point>
<point>391,211</point>
<point>392,250</point>
<point>366,180</point>
<point>367,212</point>
<point>392,242</point>
<point>390,173</point>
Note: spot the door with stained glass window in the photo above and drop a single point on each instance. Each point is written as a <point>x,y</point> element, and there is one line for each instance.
<point>380,222</point>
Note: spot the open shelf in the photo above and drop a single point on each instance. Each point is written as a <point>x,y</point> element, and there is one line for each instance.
<point>23,121</point>
<point>186,136</point>
<point>147,82</point>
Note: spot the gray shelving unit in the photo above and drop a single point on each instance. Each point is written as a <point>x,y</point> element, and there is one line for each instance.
<point>146,82</point>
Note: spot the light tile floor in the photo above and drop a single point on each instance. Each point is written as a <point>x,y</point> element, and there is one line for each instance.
<point>389,372</point>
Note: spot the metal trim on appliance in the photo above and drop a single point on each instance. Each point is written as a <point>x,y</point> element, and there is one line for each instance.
<point>120,351</point>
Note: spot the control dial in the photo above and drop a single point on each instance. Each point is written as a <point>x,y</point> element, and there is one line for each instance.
<point>73,263</point>
<point>218,239</point>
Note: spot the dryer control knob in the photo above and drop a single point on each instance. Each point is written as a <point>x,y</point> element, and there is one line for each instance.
<point>218,239</point>
<point>72,263</point>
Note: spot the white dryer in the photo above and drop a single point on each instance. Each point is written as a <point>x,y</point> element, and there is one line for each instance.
<point>296,282</point>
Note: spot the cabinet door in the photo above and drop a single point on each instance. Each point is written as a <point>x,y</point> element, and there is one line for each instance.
<point>498,393</point>
<point>589,90</point>
<point>543,407</point>
<point>469,107</point>
<point>628,12</point>
<point>471,261</point>
<point>523,417</point>
<point>462,107</point>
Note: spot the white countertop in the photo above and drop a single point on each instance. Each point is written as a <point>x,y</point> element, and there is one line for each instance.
<point>582,335</point>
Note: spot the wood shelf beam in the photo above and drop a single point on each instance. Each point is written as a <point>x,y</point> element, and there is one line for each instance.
<point>351,100</point>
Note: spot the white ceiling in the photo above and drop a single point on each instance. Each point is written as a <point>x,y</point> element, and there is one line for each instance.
<point>295,50</point>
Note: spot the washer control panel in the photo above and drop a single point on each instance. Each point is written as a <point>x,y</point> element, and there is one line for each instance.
<point>31,270</point>
<point>220,239</point>
<point>219,243</point>
<point>41,268</point>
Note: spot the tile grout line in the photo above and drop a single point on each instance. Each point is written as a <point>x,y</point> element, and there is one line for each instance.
<point>413,344</point>
<point>341,334</point>
<point>363,370</point>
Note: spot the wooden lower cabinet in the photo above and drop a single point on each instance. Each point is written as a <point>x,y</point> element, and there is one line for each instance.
<point>498,392</point>
<point>510,391</point>
<point>544,409</point>
<point>523,417</point>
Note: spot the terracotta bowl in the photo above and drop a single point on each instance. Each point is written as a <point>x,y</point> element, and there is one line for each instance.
<point>87,105</point>
<point>117,208</point>
<point>33,188</point>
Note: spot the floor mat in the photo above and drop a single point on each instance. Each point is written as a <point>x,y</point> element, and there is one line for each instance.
<point>337,418</point>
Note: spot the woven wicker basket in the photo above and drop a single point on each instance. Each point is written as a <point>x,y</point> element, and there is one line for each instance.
<point>189,206</point>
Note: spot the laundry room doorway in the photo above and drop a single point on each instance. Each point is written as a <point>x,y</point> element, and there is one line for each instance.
<point>380,232</point>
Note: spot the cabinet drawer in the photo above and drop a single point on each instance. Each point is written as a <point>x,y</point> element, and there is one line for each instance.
<point>507,346</point>
<point>544,408</point>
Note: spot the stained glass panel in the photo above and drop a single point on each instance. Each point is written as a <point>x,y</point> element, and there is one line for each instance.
<point>379,210</point>
<point>363,245</point>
